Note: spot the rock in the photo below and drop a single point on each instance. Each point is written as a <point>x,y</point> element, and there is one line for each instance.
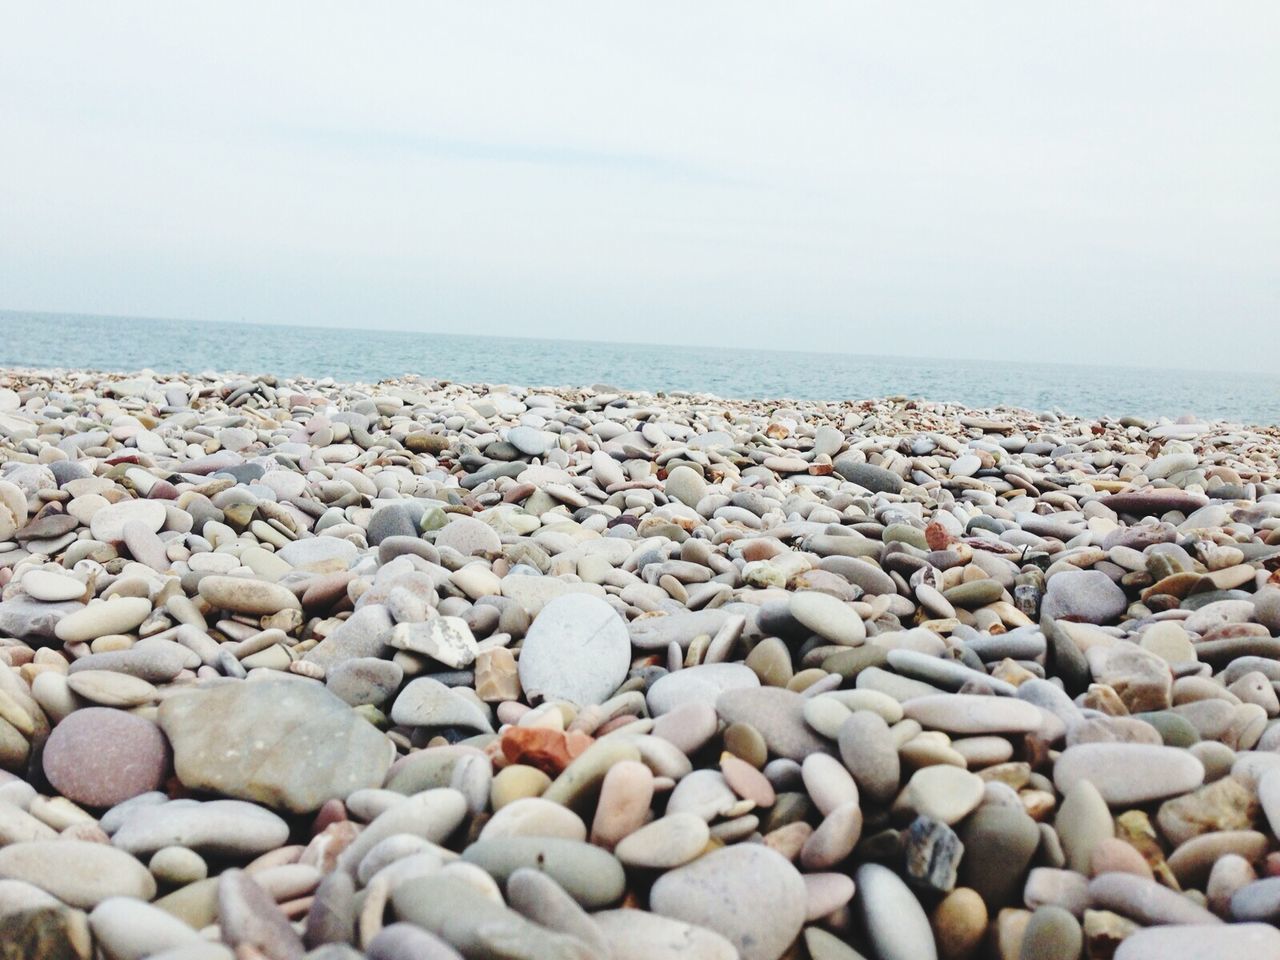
<point>250,920</point>
<point>943,793</point>
<point>46,933</point>
<point>109,522</point>
<point>538,897</point>
<point>77,872</point>
<point>896,924</point>
<point>128,929</point>
<point>779,716</point>
<point>592,876</point>
<point>425,702</point>
<point>932,853</point>
<point>1087,596</point>
<point>701,684</point>
<point>685,485</point>
<point>870,477</point>
<point>244,595</point>
<point>229,828</point>
<point>999,843</point>
<point>577,649</point>
<point>364,680</point>
<point>829,617</point>
<point>120,615</point>
<point>285,743</point>
<point>100,757</point>
<point>477,926</point>
<point>638,935</point>
<point>404,941</point>
<point>470,537</point>
<point>667,842</point>
<point>747,893</point>
<point>1240,941</point>
<point>52,587</point>
<point>1052,934</point>
<point>447,639</point>
<point>1145,900</point>
<point>968,714</point>
<point>870,753</point>
<point>1129,773</point>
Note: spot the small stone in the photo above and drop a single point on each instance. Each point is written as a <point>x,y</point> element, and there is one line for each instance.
<point>1087,596</point>
<point>959,923</point>
<point>640,935</point>
<point>896,924</point>
<point>944,793</point>
<point>828,616</point>
<point>100,757</point>
<point>779,716</point>
<point>578,649</point>
<point>1239,941</point>
<point>1129,773</point>
<point>685,485</point>
<point>287,743</point>
<point>870,753</point>
<point>447,639</point>
<point>77,872</point>
<point>245,595</point>
<point>128,929</point>
<point>216,827</point>
<point>250,920</point>
<point>932,852</point>
<point>667,842</point>
<point>1052,934</point>
<point>426,702</point>
<point>747,893</point>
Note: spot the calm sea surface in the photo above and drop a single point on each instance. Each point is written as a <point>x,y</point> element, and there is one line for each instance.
<point>115,343</point>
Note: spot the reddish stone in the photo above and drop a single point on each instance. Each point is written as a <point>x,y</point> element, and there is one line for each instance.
<point>99,757</point>
<point>548,750</point>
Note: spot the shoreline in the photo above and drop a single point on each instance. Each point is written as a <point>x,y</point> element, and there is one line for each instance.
<point>412,666</point>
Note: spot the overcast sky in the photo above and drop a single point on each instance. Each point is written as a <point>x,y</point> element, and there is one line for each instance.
<point>1088,181</point>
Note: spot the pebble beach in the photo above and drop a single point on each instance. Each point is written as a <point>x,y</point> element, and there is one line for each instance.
<point>420,670</point>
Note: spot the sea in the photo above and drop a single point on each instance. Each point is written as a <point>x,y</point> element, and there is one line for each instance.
<point>82,342</point>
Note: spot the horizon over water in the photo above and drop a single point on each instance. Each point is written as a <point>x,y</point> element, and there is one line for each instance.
<point>125,344</point>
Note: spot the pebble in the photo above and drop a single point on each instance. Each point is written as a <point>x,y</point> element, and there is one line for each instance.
<point>99,757</point>
<point>667,842</point>
<point>577,649</point>
<point>129,929</point>
<point>1245,941</point>
<point>78,872</point>
<point>748,894</point>
<point>1126,774</point>
<point>286,743</point>
<point>639,935</point>
<point>896,924</point>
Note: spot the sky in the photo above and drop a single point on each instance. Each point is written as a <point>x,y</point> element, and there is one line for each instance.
<point>1086,182</point>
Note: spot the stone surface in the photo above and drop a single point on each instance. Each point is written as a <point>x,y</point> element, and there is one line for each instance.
<point>284,743</point>
<point>1126,774</point>
<point>748,894</point>
<point>578,649</point>
<point>99,757</point>
<point>77,872</point>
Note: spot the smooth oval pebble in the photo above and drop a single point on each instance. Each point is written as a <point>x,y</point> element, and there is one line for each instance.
<point>895,922</point>
<point>749,894</point>
<point>1127,774</point>
<point>639,935</point>
<point>667,842</point>
<point>1239,941</point>
<point>102,618</point>
<point>77,872</point>
<point>100,757</point>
